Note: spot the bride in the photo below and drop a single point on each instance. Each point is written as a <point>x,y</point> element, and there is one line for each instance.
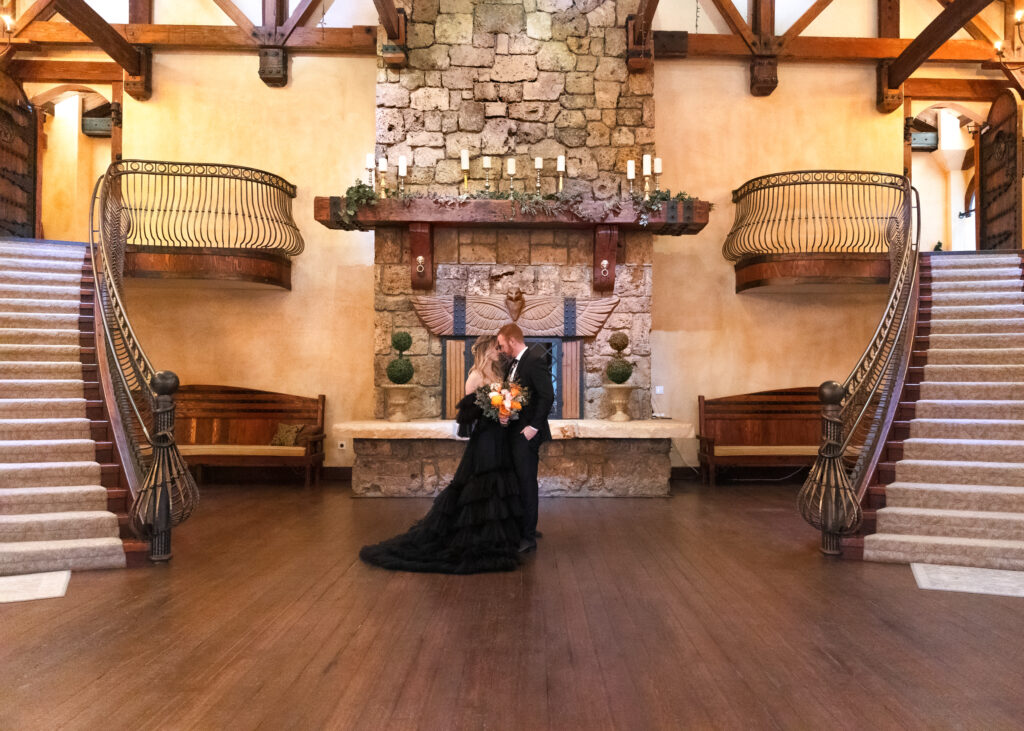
<point>473,525</point>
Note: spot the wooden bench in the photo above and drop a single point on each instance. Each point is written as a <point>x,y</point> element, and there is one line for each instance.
<point>766,428</point>
<point>229,426</point>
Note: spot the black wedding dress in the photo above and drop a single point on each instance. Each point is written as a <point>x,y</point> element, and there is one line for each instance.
<point>474,524</point>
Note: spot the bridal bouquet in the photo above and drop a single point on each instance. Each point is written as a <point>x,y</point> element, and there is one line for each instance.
<point>501,402</point>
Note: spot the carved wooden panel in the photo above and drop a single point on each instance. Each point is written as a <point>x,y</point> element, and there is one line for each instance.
<point>572,354</point>
<point>17,161</point>
<point>1000,166</point>
<point>454,377</point>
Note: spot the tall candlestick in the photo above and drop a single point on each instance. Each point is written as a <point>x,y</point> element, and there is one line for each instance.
<point>402,170</point>
<point>657,173</point>
<point>371,169</point>
<point>511,173</point>
<point>465,159</point>
<point>487,162</point>
<point>382,167</point>
<point>630,169</point>
<point>538,165</point>
<point>646,164</point>
<point>560,167</point>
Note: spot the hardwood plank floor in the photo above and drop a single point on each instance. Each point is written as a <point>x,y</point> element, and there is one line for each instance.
<point>705,610</point>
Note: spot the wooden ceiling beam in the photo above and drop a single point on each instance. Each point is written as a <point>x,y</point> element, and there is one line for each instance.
<point>6,57</point>
<point>979,29</point>
<point>360,40</point>
<point>955,90</point>
<point>237,16</point>
<point>298,18</point>
<point>809,16</point>
<point>79,72</point>
<point>888,18</point>
<point>39,10</point>
<point>736,23</point>
<point>644,20</point>
<point>140,11</point>
<point>87,20</point>
<point>275,13</point>
<point>389,17</point>
<point>940,30</point>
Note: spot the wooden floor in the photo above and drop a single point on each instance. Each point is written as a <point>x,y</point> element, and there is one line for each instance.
<point>706,610</point>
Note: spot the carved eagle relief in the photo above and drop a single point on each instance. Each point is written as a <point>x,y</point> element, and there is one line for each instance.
<point>535,315</point>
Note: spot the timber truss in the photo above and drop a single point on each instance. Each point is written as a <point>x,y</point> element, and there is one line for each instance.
<point>130,46</point>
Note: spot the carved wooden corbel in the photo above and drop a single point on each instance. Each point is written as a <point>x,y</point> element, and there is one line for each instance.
<point>421,248</point>
<point>606,248</point>
<point>887,100</point>
<point>639,45</point>
<point>394,52</point>
<point>140,88</point>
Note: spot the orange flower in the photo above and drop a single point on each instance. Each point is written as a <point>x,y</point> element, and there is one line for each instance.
<point>516,406</point>
<point>496,399</point>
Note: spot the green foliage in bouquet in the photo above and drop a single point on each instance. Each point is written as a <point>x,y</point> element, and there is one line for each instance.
<point>619,369</point>
<point>400,369</point>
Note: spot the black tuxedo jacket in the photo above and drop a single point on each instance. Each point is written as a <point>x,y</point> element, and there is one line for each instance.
<point>533,374</point>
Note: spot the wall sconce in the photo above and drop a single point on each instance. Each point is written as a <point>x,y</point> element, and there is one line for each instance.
<point>999,48</point>
<point>8,22</point>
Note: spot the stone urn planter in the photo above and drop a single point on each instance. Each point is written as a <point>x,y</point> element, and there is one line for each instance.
<point>396,401</point>
<point>618,397</point>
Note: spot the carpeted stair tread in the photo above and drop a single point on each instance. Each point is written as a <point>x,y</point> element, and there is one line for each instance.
<point>41,388</point>
<point>955,471</point>
<point>968,390</point>
<point>974,373</point>
<point>12,304</point>
<point>41,292</point>
<point>968,450</point>
<point>39,352</point>
<point>49,336</point>
<point>955,260</point>
<point>939,496</point>
<point>967,429</point>
<point>976,325</point>
<point>960,523</point>
<point>969,299</point>
<point>973,409</point>
<point>21,557</point>
<point>21,277</point>
<point>975,356</point>
<point>11,429</point>
<point>41,369</point>
<point>24,500</point>
<point>1009,284</point>
<point>62,526</point>
<point>49,474</point>
<point>39,320</point>
<point>951,551</point>
<point>975,340</point>
<point>36,250</point>
<point>40,264</point>
<point>47,450</point>
<point>975,273</point>
<point>42,408</point>
<point>961,312</point>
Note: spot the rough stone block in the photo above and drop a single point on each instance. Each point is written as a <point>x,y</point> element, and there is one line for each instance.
<point>578,83</point>
<point>394,279</point>
<point>488,18</point>
<point>631,117</point>
<point>538,25</point>
<point>615,42</point>
<point>426,157</point>
<point>623,136</point>
<point>641,84</point>
<point>607,94</point>
<point>570,118</point>
<point>501,44</point>
<point>456,6</point>
<point>571,137</point>
<point>510,92</point>
<point>390,126</point>
<point>514,68</point>
<point>592,115</point>
<point>577,101</point>
<point>412,79</point>
<point>534,111</point>
<point>449,121</point>
<point>531,132</point>
<point>478,254</point>
<point>548,87</point>
<point>555,56</point>
<point>522,44</point>
<point>603,16</point>
<point>497,136</point>
<point>425,11</point>
<point>434,57</point>
<point>485,91</point>
<point>471,116</point>
<point>454,28</point>
<point>586,63</point>
<point>548,255</point>
<point>458,78</point>
<point>611,69</point>
<point>429,97</point>
<point>447,171</point>
<point>514,248</point>
<point>471,56</point>
<point>425,139</point>
<point>553,6</point>
<point>579,46</point>
<point>392,95</point>
<point>568,23</point>
<point>606,186</point>
<point>420,35</point>
<point>598,134</point>
<point>495,109</point>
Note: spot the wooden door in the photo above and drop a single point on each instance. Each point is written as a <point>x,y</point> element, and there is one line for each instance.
<point>17,161</point>
<point>1000,166</point>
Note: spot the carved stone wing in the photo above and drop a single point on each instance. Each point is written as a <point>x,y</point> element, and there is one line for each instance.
<point>543,316</point>
<point>591,315</point>
<point>437,313</point>
<point>485,315</point>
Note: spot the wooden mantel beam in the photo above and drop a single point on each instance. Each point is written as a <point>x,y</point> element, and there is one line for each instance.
<point>87,20</point>
<point>939,31</point>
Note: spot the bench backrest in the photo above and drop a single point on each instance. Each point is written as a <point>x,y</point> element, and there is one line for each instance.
<point>788,416</point>
<point>230,415</point>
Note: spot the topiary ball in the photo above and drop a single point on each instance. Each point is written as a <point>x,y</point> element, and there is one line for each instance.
<point>400,370</point>
<point>619,341</point>
<point>401,341</point>
<point>619,370</point>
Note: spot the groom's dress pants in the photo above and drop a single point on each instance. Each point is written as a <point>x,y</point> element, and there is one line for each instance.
<point>526,457</point>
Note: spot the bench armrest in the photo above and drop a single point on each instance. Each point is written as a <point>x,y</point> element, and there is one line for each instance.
<point>316,443</point>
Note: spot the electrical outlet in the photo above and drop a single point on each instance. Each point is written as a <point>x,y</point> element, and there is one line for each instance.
<point>659,390</point>
<point>341,445</point>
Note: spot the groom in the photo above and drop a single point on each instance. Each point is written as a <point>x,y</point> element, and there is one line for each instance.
<point>527,367</point>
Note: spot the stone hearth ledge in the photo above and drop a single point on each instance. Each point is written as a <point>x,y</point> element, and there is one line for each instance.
<point>586,458</point>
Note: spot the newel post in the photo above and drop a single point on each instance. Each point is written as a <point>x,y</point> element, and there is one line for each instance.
<point>827,500</point>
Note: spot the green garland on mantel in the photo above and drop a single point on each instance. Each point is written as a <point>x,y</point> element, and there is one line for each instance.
<point>556,205</point>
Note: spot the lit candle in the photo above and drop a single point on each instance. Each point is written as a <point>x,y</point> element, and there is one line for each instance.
<point>511,166</point>
<point>402,165</point>
<point>647,164</point>
<point>999,46</point>
<point>370,163</point>
<point>538,163</point>
<point>561,163</point>
<point>382,164</point>
<point>630,169</point>
<point>657,166</point>
<point>1018,16</point>
<point>465,159</point>
<point>487,162</point>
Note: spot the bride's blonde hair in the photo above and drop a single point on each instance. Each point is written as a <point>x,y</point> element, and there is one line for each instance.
<point>482,364</point>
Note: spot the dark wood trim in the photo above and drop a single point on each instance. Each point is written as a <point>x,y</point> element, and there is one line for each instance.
<point>82,72</point>
<point>87,20</point>
<point>796,270</point>
<point>40,149</point>
<point>298,18</point>
<point>979,29</point>
<point>829,49</point>
<point>606,247</point>
<point>158,262</point>
<point>116,129</point>
<point>275,13</point>
<point>737,24</point>
<point>140,11</point>
<point>935,34</point>
<point>389,18</point>
<point>954,89</point>
<point>809,16</point>
<point>39,10</point>
<point>888,18</point>
<point>237,17</point>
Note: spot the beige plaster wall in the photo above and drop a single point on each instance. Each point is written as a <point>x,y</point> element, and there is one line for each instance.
<point>714,136</point>
<point>318,338</point>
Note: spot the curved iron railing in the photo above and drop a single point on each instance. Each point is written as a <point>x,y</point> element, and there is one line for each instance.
<point>857,414</point>
<point>163,491</point>
<point>199,205</point>
<point>816,211</point>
